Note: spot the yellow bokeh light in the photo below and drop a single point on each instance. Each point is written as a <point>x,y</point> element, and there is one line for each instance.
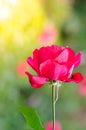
<point>20,21</point>
<point>4,13</point>
<point>5,8</point>
<point>13,2</point>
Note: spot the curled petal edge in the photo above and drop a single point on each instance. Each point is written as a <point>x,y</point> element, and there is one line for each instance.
<point>36,81</point>
<point>76,77</point>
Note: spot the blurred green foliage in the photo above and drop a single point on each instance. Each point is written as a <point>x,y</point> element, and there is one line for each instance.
<point>32,118</point>
<point>18,38</point>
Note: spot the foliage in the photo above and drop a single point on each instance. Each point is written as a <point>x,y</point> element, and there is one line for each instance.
<point>32,118</point>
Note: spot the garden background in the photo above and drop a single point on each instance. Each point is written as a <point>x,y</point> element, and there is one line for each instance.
<point>24,26</point>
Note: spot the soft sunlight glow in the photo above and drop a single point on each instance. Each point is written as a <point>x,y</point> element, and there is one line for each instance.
<point>5,10</point>
<point>13,2</point>
<point>18,20</point>
<point>4,13</point>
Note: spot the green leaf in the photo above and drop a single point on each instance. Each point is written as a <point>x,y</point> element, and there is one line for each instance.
<point>32,118</point>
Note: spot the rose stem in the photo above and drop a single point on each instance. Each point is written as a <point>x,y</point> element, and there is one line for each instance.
<point>53,106</point>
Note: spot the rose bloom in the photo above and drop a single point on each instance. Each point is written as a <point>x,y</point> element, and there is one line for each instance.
<point>49,126</point>
<point>54,63</point>
<point>82,88</point>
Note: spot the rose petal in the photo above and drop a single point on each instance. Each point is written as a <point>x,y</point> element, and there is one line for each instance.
<point>67,55</point>
<point>36,81</point>
<point>52,70</point>
<point>71,54</point>
<point>63,57</point>
<point>33,62</point>
<point>48,52</point>
<point>35,58</point>
<point>76,77</point>
<point>70,70</point>
<point>77,60</point>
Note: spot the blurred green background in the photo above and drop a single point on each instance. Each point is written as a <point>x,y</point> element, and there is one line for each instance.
<point>24,26</point>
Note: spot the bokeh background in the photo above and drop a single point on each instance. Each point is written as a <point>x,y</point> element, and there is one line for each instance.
<point>24,26</point>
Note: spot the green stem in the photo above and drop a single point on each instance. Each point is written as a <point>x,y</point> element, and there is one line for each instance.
<point>53,106</point>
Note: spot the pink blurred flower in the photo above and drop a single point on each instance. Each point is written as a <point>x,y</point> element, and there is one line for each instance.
<point>48,35</point>
<point>82,88</point>
<point>48,126</point>
<point>21,68</point>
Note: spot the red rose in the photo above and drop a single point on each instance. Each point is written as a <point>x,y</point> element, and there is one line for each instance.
<point>54,63</point>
